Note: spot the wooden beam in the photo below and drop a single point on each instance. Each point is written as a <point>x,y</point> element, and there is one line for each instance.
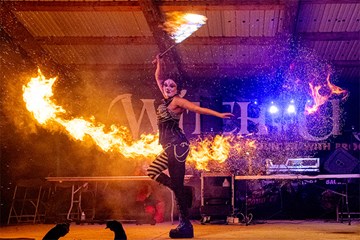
<point>328,1</point>
<point>95,40</point>
<point>155,19</point>
<point>21,37</point>
<point>261,41</point>
<point>145,66</point>
<point>347,63</point>
<point>198,5</point>
<point>220,5</point>
<point>195,70</point>
<point>291,12</point>
<point>55,6</point>
<point>230,41</point>
<point>6,40</point>
<point>111,67</point>
<point>150,40</point>
<point>329,36</point>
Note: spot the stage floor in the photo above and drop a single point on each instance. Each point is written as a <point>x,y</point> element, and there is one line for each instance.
<point>270,230</point>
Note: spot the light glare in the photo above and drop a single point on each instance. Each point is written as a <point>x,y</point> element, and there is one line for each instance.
<point>291,109</point>
<point>273,109</point>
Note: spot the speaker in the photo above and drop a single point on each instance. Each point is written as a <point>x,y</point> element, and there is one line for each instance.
<point>341,162</point>
<point>211,124</point>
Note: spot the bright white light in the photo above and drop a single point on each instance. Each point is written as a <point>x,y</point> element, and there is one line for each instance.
<point>273,109</point>
<point>291,109</point>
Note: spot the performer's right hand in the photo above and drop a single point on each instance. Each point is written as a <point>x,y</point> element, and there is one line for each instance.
<point>157,59</point>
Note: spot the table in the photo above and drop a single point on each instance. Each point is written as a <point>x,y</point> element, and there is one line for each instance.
<point>248,217</point>
<point>80,183</point>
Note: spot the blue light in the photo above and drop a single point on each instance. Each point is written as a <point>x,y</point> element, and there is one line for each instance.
<point>291,109</point>
<point>273,109</point>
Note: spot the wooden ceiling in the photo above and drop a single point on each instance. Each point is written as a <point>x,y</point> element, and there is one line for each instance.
<point>240,37</point>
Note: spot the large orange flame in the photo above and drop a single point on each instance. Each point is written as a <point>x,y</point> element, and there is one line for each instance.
<point>320,99</point>
<point>37,96</point>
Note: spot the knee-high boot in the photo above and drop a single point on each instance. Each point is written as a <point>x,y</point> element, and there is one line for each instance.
<point>165,180</point>
<point>185,228</point>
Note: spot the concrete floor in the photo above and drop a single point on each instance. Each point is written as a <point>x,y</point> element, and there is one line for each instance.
<point>270,230</point>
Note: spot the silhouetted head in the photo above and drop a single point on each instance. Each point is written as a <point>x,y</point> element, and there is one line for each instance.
<point>118,229</point>
<point>114,225</point>
<point>60,230</point>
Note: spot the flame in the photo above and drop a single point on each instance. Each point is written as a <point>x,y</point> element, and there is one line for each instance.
<point>37,96</point>
<point>321,99</point>
<point>181,25</point>
<point>216,150</point>
<point>335,89</point>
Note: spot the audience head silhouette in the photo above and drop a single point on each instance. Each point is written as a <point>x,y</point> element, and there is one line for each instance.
<point>117,228</point>
<point>60,230</point>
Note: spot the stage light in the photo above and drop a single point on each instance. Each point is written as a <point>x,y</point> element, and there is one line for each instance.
<point>273,109</point>
<point>291,108</point>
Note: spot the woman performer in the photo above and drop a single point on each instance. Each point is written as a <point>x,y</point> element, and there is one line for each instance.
<point>175,145</point>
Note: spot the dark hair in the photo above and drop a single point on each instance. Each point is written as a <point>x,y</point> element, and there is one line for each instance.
<point>177,79</point>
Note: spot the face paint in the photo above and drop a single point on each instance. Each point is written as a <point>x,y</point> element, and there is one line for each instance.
<point>169,88</point>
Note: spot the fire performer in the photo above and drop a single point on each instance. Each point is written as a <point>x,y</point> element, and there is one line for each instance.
<point>175,145</point>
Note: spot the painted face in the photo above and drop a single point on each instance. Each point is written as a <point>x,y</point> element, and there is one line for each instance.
<point>169,88</point>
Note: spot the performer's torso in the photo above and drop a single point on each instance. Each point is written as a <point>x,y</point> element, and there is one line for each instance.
<point>168,123</point>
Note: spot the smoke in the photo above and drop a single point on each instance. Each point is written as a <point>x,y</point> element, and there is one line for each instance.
<point>43,151</point>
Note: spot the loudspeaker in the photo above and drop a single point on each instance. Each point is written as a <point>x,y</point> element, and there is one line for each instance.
<point>211,124</point>
<point>341,162</point>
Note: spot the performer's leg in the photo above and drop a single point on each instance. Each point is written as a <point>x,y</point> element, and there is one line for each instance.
<point>177,174</point>
<point>156,168</point>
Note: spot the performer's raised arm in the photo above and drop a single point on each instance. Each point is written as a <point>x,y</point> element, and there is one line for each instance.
<point>159,73</point>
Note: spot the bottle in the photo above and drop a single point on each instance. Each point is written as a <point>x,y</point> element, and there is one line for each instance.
<point>83,217</point>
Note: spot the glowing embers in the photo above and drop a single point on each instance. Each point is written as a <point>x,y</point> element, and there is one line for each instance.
<point>181,25</point>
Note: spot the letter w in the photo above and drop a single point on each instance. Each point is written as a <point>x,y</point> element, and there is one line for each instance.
<point>130,115</point>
